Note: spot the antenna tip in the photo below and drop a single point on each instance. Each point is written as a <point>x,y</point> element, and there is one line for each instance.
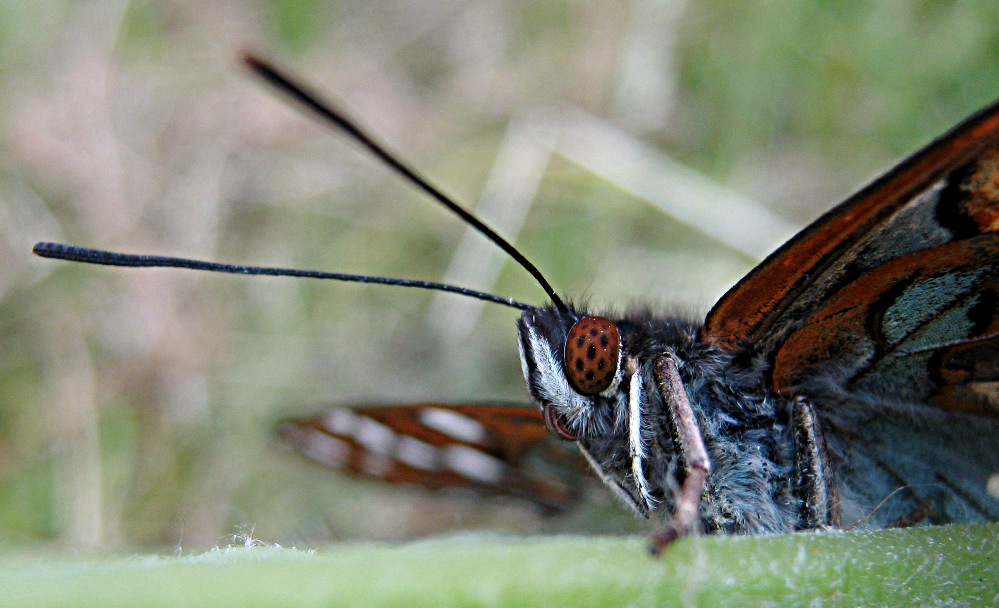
<point>42,249</point>
<point>262,68</point>
<point>251,60</point>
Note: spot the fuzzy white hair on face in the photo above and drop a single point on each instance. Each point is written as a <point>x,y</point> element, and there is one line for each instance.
<point>637,427</point>
<point>550,380</point>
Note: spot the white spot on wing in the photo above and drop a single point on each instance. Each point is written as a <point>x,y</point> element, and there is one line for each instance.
<point>474,464</point>
<point>418,454</point>
<point>341,421</point>
<point>375,437</point>
<point>453,424</point>
<point>325,449</point>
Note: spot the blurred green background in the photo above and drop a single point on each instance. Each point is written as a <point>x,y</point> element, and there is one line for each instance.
<point>137,407</point>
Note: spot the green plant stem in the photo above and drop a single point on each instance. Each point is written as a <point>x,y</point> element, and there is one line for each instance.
<point>948,565</point>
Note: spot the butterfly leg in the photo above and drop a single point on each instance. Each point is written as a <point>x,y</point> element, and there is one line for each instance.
<point>812,474</point>
<point>690,451</point>
<point>922,512</point>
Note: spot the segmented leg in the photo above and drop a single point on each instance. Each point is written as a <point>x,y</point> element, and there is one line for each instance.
<point>812,475</point>
<point>692,456</point>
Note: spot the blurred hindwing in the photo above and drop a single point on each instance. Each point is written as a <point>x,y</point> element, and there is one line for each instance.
<point>492,449</point>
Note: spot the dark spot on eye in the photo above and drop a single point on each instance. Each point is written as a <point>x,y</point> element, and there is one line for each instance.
<point>592,349</point>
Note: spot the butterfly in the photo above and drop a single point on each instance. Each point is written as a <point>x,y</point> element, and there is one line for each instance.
<point>851,379</point>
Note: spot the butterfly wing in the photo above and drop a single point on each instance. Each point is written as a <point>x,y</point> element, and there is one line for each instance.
<point>493,449</point>
<point>921,327</point>
<point>894,290</point>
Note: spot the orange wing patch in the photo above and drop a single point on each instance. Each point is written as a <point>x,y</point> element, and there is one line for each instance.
<point>983,188</point>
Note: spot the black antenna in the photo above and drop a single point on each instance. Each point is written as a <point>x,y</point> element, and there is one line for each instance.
<point>72,253</point>
<point>326,110</point>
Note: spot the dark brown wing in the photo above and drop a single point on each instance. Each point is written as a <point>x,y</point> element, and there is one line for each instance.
<point>493,449</point>
<point>826,300</point>
<point>921,327</point>
<point>760,300</point>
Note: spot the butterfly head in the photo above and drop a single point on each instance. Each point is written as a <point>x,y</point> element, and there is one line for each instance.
<point>573,367</point>
<point>584,372</point>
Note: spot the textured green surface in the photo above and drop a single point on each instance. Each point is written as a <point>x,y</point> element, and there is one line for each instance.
<point>953,565</point>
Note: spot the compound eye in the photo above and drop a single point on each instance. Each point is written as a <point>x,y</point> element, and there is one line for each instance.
<point>592,354</point>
